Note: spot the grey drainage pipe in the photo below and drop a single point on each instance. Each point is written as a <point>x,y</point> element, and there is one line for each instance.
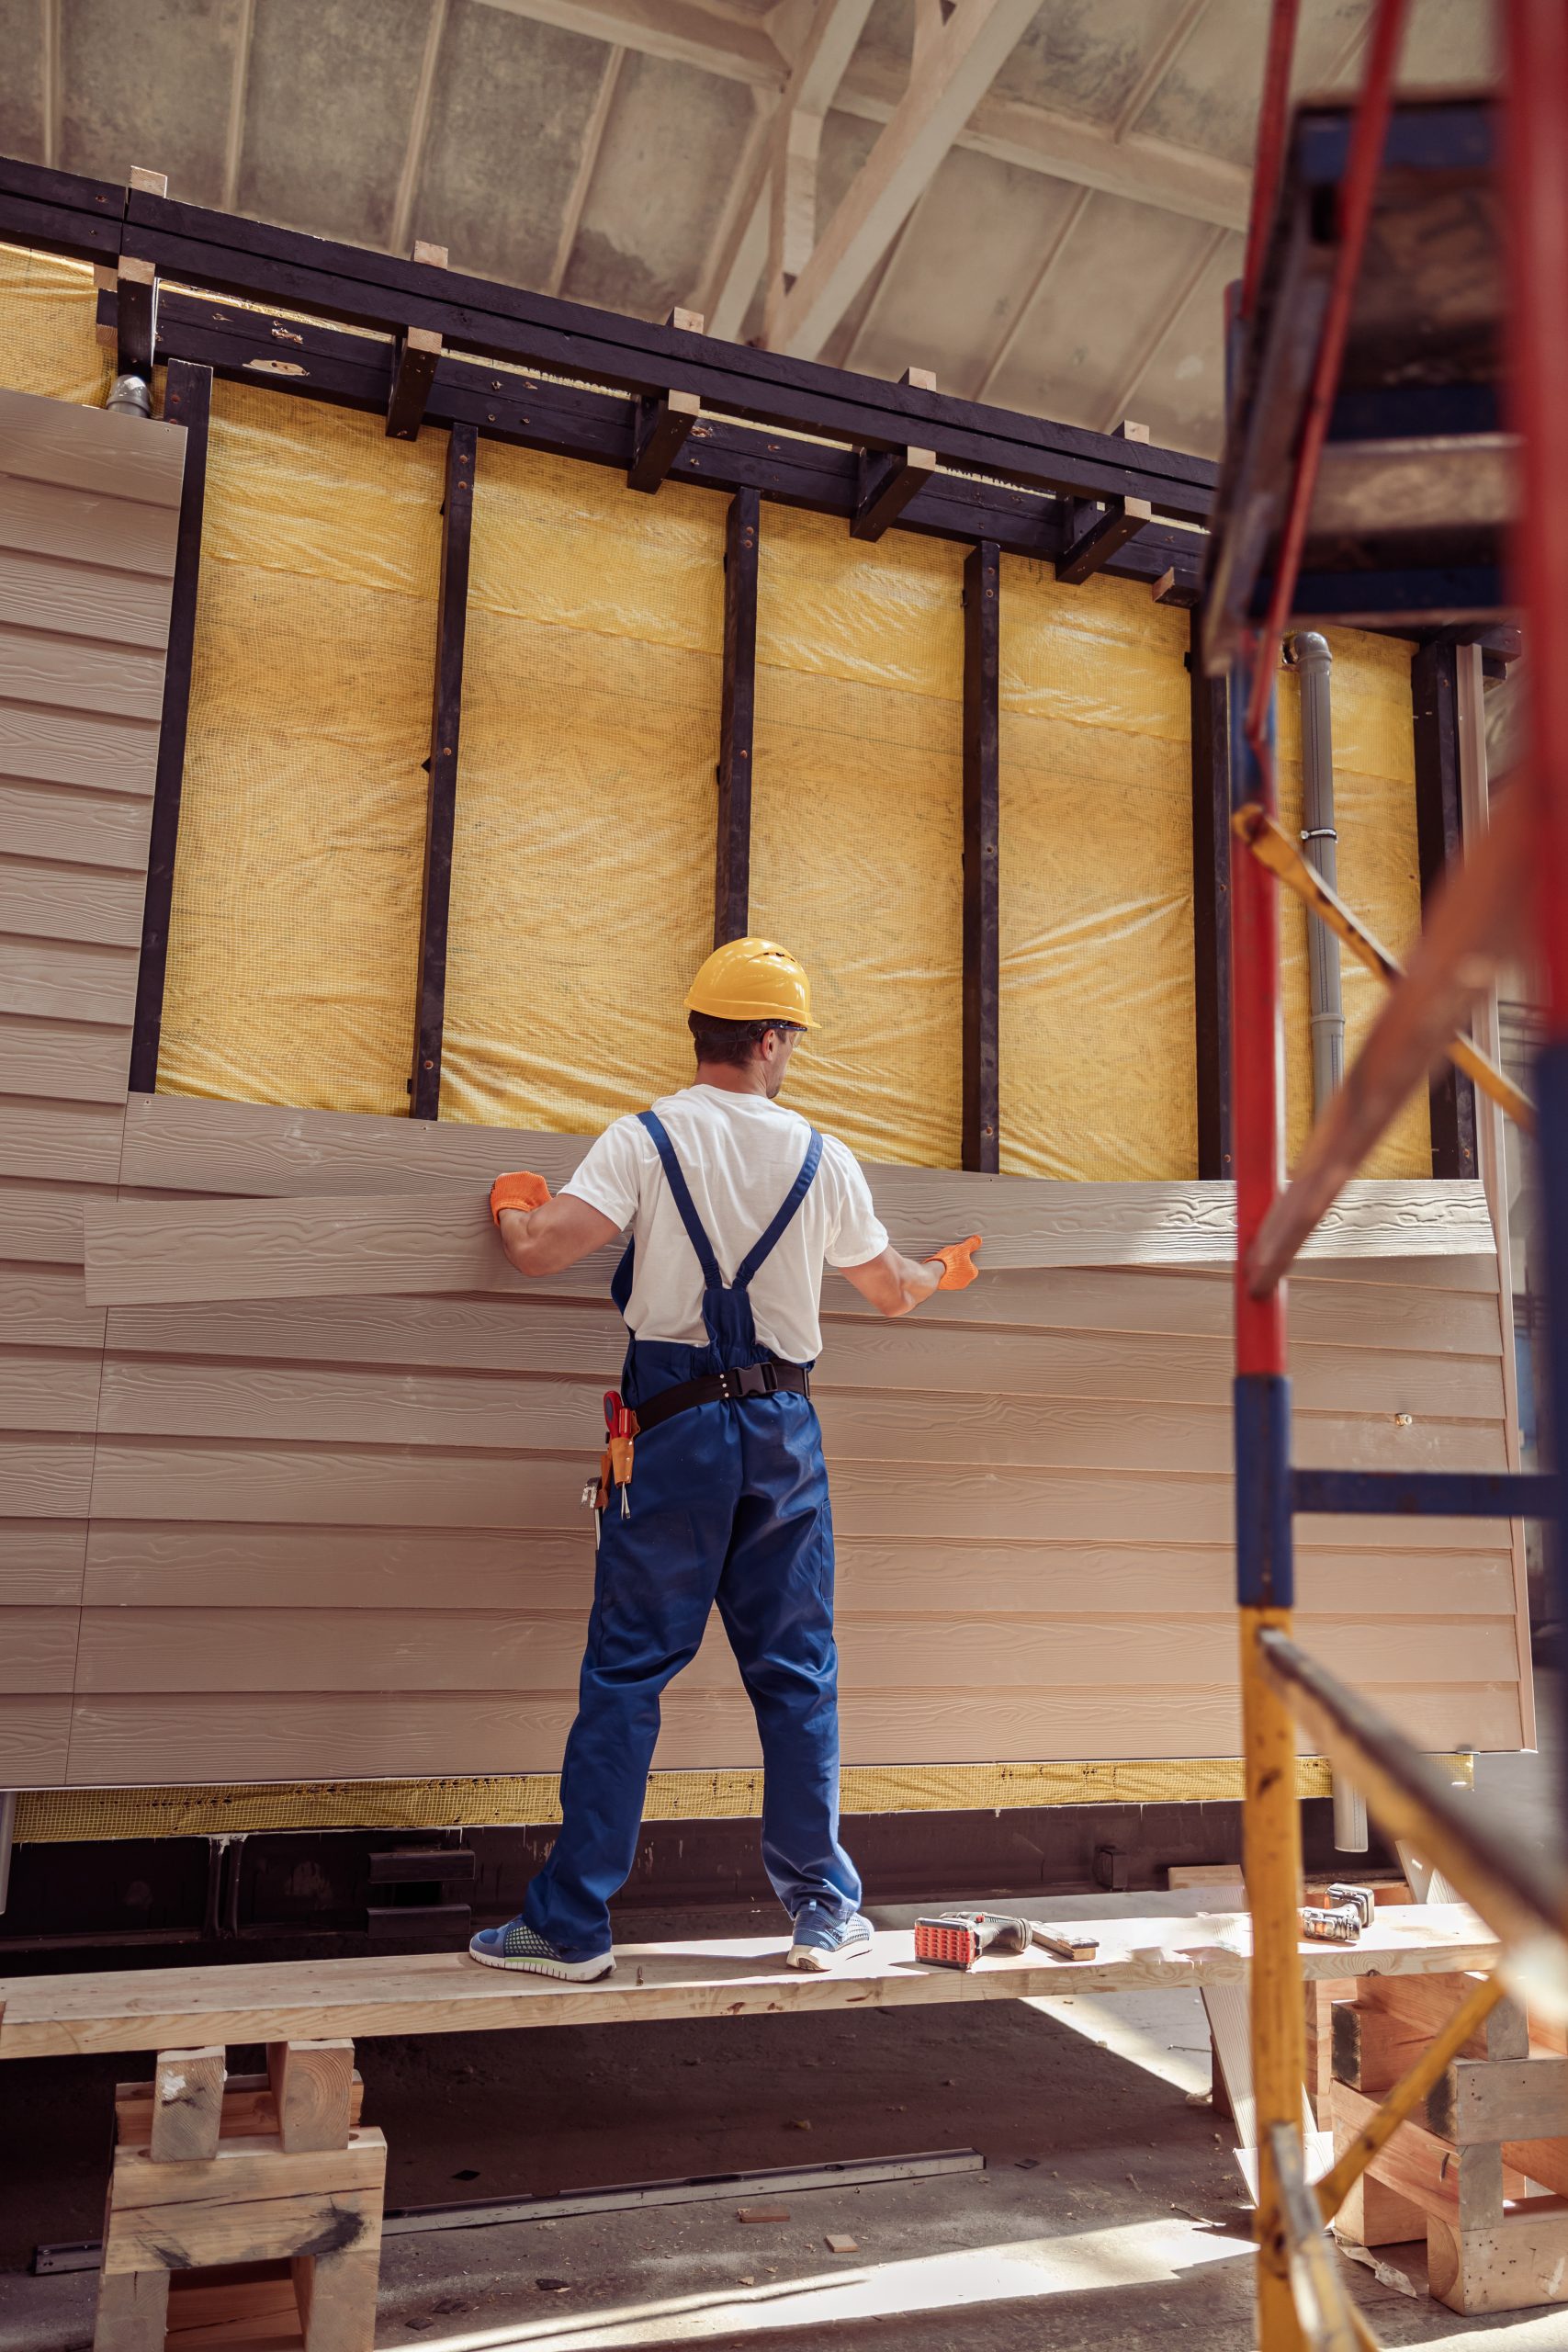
<point>1308,654</point>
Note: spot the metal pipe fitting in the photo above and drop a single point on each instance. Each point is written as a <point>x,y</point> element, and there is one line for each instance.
<point>130,395</point>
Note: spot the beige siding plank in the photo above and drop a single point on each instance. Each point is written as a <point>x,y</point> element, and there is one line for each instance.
<point>78,1142</point>
<point>94,752</point>
<point>53,979</point>
<point>71,1061</point>
<point>44,899</point>
<point>393,1487</point>
<point>137,1742</point>
<point>85,600</point>
<point>38,1651</point>
<point>86,526</point>
<point>43,1222</point>
<point>53,821</point>
<point>96,449</point>
<point>42,1563</point>
<point>47,1388</point>
<point>437,1648</point>
<point>78,673</point>
<point>337,1406</point>
<point>43,1306</point>
<point>144,1565</point>
<point>35,1732</point>
<point>45,1476</point>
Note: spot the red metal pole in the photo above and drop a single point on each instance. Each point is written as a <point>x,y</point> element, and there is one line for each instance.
<point>1270,152</point>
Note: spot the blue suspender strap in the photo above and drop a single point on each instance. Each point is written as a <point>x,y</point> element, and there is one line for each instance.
<point>683,1201</point>
<point>791,1203</point>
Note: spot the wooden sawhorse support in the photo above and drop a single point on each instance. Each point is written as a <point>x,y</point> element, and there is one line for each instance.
<point>246,2195</point>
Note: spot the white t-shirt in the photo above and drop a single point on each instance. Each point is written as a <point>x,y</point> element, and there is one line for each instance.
<point>739,1155</point>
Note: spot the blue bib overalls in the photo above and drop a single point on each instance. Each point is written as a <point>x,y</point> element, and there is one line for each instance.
<point>728,1505</point>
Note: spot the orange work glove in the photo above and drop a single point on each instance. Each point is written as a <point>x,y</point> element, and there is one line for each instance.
<point>957,1262</point>
<point>521,1191</point>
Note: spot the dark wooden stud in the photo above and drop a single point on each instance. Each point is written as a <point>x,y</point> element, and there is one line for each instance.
<point>136,318</point>
<point>732,875</point>
<point>187,401</point>
<point>658,434</point>
<point>982,959</point>
<point>885,481</point>
<point>413,373</point>
<point>1096,533</point>
<point>457,527</point>
<point>1434,693</point>
<point>1211,912</point>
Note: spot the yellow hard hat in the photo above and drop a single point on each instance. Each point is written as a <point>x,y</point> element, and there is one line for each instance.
<point>751,979</point>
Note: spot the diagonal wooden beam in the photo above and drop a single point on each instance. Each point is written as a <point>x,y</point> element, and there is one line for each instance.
<point>419,129</point>
<point>587,165</point>
<point>239,91</point>
<point>952,74</point>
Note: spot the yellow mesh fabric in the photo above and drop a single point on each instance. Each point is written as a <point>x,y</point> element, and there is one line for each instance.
<point>584,852</point>
<point>857,823</point>
<point>294,936</point>
<point>1098,1070</point>
<point>48,346</point>
<point>1379,876</point>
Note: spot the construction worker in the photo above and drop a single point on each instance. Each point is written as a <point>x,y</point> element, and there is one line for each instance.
<point>733,1206</point>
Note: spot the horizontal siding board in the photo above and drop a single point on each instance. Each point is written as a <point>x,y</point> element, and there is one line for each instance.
<point>161,1397</point>
<point>54,980</point>
<point>43,1222</point>
<point>78,1142</point>
<point>42,1563</point>
<point>43,1305</point>
<point>71,1061</point>
<point>45,898</point>
<point>38,1650</point>
<point>85,600</point>
<point>392,1487</point>
<point>139,1742</point>
<point>48,1388</point>
<point>35,1736</point>
<point>88,527</point>
<point>165,1566</point>
<point>53,821</point>
<point>87,749</point>
<point>94,449</point>
<point>190,1650</point>
<point>78,673</point>
<point>44,1475</point>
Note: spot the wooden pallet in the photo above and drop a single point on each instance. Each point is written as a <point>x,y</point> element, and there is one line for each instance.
<point>1485,2180</point>
<point>242,2210</point>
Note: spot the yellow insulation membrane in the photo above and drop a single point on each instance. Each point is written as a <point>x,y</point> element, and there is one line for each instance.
<point>1380,875</point>
<point>857,823</point>
<point>1098,1062</point>
<point>583,855</point>
<point>48,346</point>
<point>294,936</point>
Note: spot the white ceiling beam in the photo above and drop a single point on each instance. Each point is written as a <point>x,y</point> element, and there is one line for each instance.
<point>956,68</point>
<point>1089,154</point>
<point>831,42</point>
<point>419,129</point>
<point>1167,319</point>
<point>674,29</point>
<point>239,87</point>
<point>52,96</point>
<point>1182,28</point>
<point>587,164</point>
<point>1049,261</point>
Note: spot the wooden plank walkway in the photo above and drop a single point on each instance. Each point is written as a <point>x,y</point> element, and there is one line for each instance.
<point>163,2009</point>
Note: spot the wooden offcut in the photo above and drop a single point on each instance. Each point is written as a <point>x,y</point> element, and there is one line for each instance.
<point>312,2089</point>
<point>188,2104</point>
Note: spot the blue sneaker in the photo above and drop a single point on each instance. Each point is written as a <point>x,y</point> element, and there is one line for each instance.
<point>820,1939</point>
<point>519,1946</point>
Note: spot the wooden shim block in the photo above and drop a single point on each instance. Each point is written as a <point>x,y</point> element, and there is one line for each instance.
<point>312,2082</point>
<point>1463,2186</point>
<point>250,2111</point>
<point>132,2311</point>
<point>1519,2264</point>
<point>337,2299</point>
<point>188,2104</point>
<point>1423,2007</point>
<point>251,2203</point>
<point>1519,2098</point>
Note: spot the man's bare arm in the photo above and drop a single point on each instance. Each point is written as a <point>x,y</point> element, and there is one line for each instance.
<point>894,1284</point>
<point>547,1239</point>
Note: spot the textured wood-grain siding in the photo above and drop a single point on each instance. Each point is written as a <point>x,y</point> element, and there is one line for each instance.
<point>89,508</point>
<point>266,1520</point>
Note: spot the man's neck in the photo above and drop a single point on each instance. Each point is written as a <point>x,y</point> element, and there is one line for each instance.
<point>731,1079</point>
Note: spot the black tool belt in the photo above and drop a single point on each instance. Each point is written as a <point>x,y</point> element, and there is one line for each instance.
<point>724,1389</point>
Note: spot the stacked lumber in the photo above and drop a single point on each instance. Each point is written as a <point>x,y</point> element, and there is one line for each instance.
<point>1484,2180</point>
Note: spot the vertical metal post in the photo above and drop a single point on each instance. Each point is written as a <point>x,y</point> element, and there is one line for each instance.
<point>446,711</point>
<point>732,875</point>
<point>982,954</point>
<point>1271,1815</point>
<point>1210,909</point>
